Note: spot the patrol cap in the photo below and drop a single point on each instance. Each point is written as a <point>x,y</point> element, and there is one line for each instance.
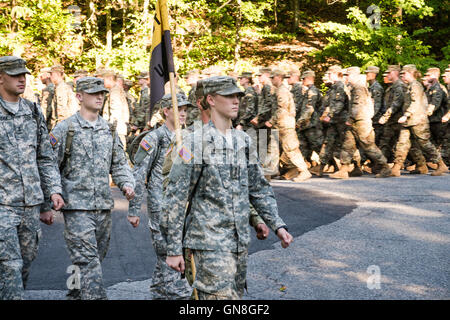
<point>128,83</point>
<point>293,72</point>
<point>57,68</point>
<point>277,72</point>
<point>447,70</point>
<point>13,66</point>
<point>45,70</point>
<point>372,69</point>
<point>246,74</point>
<point>91,85</point>
<point>143,75</point>
<point>222,85</point>
<point>335,69</point>
<point>393,67</point>
<point>308,73</point>
<point>263,70</point>
<point>385,74</point>
<point>182,100</point>
<point>409,68</point>
<point>433,71</point>
<point>80,73</point>
<point>352,70</point>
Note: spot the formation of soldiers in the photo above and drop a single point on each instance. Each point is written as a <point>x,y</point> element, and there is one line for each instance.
<point>204,194</point>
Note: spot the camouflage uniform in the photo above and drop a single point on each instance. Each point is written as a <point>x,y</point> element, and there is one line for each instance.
<point>193,113</point>
<point>416,130</point>
<point>248,108</point>
<point>335,133</point>
<point>149,160</point>
<point>228,177</point>
<point>47,97</point>
<point>115,108</point>
<point>361,132</point>
<point>377,94</point>
<point>437,102</point>
<point>94,154</point>
<point>28,173</point>
<point>63,103</point>
<point>307,120</point>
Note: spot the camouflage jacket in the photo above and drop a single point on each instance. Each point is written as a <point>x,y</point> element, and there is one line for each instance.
<point>267,105</point>
<point>415,104</point>
<point>377,93</point>
<point>192,113</point>
<point>115,108</point>
<point>63,104</point>
<point>27,162</point>
<point>284,117</point>
<point>149,160</point>
<point>94,156</point>
<point>338,102</point>
<point>248,108</point>
<point>309,111</point>
<point>296,91</point>
<point>437,97</point>
<point>231,179</point>
<point>361,105</point>
<point>393,101</point>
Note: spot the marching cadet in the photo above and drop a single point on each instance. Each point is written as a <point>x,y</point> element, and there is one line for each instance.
<point>218,172</point>
<point>446,146</point>
<point>63,103</point>
<point>248,107</point>
<point>28,175</point>
<point>149,159</point>
<point>415,125</point>
<point>89,150</point>
<point>192,77</point>
<point>377,95</point>
<point>48,91</point>
<point>308,123</point>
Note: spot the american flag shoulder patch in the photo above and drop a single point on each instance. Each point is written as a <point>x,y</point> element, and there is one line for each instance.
<point>145,145</point>
<point>185,154</point>
<point>53,139</point>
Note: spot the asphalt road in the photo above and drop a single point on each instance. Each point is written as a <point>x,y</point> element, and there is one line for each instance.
<point>131,256</point>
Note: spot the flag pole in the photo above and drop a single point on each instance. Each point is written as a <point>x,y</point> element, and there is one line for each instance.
<point>173,92</point>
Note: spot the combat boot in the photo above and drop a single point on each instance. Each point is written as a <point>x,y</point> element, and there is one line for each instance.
<point>432,165</point>
<point>385,172</point>
<point>356,172</point>
<point>342,173</point>
<point>304,175</point>
<point>291,174</point>
<point>442,168</point>
<point>420,169</point>
<point>395,171</point>
<point>317,170</point>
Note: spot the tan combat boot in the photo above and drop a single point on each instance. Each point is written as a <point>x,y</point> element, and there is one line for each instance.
<point>356,172</point>
<point>420,169</point>
<point>291,174</point>
<point>385,172</point>
<point>317,170</point>
<point>395,171</point>
<point>342,173</point>
<point>442,168</point>
<point>304,175</point>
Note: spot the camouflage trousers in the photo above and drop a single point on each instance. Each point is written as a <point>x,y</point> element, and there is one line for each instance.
<point>378,128</point>
<point>268,149</point>
<point>19,240</point>
<point>167,283</point>
<point>87,235</point>
<point>361,134</point>
<point>334,137</point>
<point>438,131</point>
<point>389,139</point>
<point>310,139</point>
<point>220,275</point>
<point>291,156</point>
<point>417,136</point>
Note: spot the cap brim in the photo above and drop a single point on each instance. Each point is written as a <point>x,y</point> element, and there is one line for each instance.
<point>230,91</point>
<point>17,71</point>
<point>95,90</point>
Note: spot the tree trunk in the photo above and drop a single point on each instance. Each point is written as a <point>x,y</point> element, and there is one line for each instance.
<point>296,15</point>
<point>275,12</point>
<point>108,29</point>
<point>237,46</point>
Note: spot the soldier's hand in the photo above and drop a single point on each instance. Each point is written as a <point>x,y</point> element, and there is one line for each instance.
<point>57,200</point>
<point>348,124</point>
<point>326,119</point>
<point>176,263</point>
<point>134,128</point>
<point>134,221</point>
<point>446,118</point>
<point>262,231</point>
<point>402,119</point>
<point>285,237</point>
<point>239,127</point>
<point>46,217</point>
<point>128,192</point>
<point>254,121</point>
<point>268,124</point>
<point>382,120</point>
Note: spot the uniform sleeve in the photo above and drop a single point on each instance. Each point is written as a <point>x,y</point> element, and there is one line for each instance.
<point>120,170</point>
<point>143,163</point>
<point>398,99</point>
<point>308,109</point>
<point>261,195</point>
<point>337,102</point>
<point>414,99</point>
<point>436,98</point>
<point>47,164</point>
<point>377,96</point>
<point>175,198</point>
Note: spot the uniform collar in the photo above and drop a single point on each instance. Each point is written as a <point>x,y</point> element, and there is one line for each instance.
<point>101,123</point>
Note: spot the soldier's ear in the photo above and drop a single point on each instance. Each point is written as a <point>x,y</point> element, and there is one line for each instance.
<point>79,96</point>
